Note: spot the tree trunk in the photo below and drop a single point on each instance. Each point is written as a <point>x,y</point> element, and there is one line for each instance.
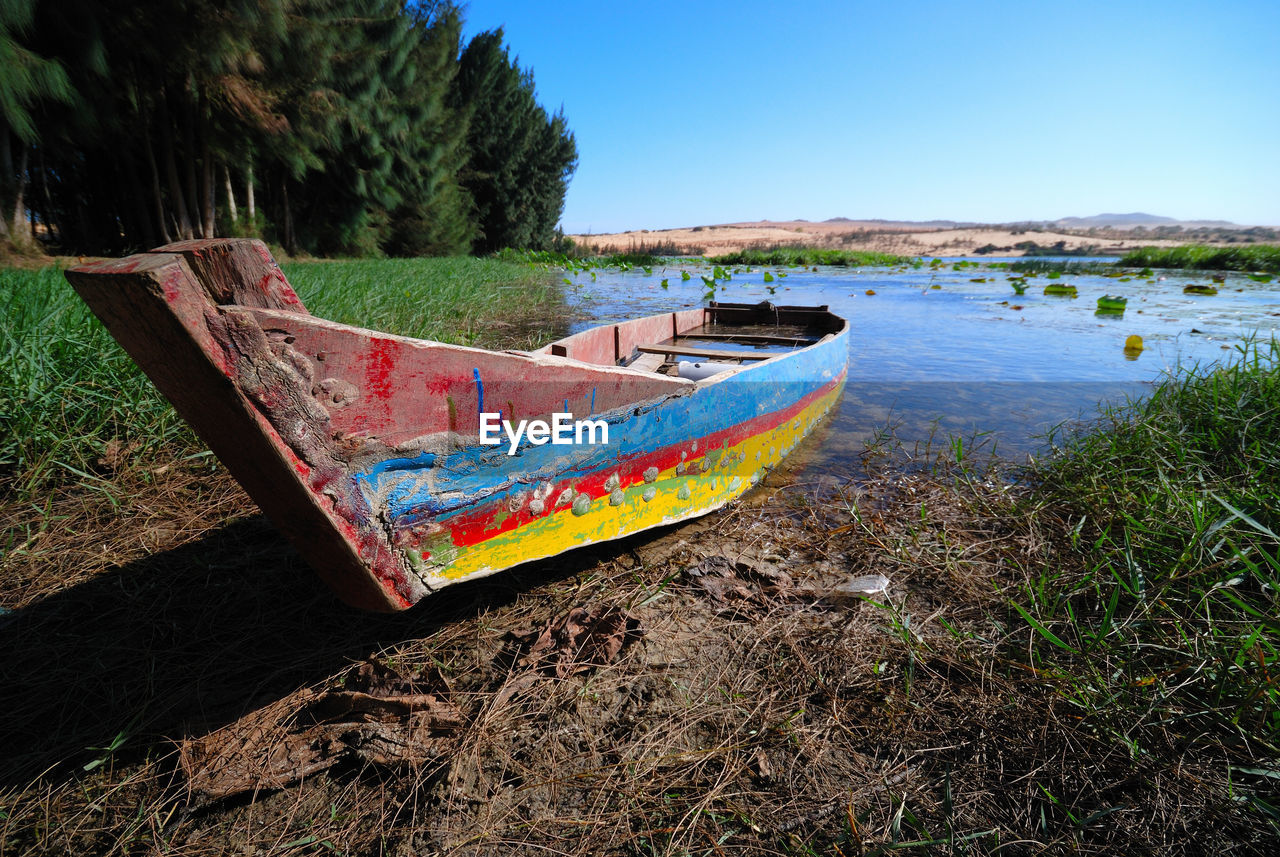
<point>210,209</point>
<point>290,242</point>
<point>206,170</point>
<point>137,195</point>
<point>6,176</point>
<point>175,186</point>
<point>231,195</point>
<point>51,222</point>
<point>156,196</point>
<point>20,234</point>
<point>189,158</point>
<point>248,181</point>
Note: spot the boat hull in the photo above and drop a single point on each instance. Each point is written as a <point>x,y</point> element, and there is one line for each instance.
<point>665,462</point>
<point>366,448</point>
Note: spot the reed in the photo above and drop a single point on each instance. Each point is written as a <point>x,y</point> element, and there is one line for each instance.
<point>1255,257</point>
<point>790,255</point>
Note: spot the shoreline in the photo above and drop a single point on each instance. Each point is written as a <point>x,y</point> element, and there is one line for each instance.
<point>898,238</point>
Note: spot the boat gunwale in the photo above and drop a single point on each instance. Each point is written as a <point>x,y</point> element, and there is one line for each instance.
<point>538,356</point>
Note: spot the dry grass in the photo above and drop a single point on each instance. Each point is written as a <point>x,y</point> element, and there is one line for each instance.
<point>148,607</point>
<point>778,721</point>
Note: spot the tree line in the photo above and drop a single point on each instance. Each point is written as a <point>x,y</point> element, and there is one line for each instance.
<point>332,127</point>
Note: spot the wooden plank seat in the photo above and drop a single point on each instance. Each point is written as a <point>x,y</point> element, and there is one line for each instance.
<point>706,353</point>
<point>755,338</point>
<point>647,362</point>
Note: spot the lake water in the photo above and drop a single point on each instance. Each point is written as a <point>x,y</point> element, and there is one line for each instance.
<point>935,355</point>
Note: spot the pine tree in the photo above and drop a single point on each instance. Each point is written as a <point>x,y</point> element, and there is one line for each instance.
<point>26,80</point>
<point>437,215</point>
<point>354,126</point>
<point>521,159</point>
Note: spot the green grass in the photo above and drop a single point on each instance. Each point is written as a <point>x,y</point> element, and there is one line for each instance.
<point>445,299</point>
<point>1256,257</point>
<point>67,389</point>
<point>809,256</point>
<point>1161,618</point>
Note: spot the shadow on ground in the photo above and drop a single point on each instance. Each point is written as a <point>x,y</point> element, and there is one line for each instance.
<point>183,641</point>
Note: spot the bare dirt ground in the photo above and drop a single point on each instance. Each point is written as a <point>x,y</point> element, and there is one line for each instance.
<point>176,681</point>
<point>903,239</point>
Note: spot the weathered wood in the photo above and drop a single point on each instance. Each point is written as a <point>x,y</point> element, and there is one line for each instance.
<point>602,346</point>
<point>647,362</point>
<point>157,311</point>
<point>751,338</point>
<point>240,272</point>
<point>398,389</point>
<point>767,313</point>
<point>369,450</point>
<point>708,353</point>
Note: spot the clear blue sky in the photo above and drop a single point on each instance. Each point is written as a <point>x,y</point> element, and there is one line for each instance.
<point>693,112</point>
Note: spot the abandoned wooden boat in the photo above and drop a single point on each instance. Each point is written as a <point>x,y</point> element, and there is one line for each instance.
<point>398,466</point>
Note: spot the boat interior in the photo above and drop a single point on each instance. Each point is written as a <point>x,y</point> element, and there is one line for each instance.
<point>697,343</point>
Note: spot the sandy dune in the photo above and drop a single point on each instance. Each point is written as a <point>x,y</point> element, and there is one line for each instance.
<point>908,239</point>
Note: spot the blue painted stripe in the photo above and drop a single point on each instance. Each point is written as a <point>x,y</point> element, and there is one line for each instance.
<point>463,478</point>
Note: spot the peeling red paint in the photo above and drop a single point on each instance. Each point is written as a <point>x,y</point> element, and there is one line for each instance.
<point>379,366</point>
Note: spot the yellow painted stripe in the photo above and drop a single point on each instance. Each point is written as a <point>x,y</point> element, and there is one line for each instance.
<point>675,497</point>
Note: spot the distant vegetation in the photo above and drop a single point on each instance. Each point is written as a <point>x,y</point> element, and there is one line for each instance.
<point>1202,234</point>
<point>809,256</point>
<point>331,127</point>
<point>1031,248</point>
<point>1256,257</point>
<point>1044,266</point>
<point>576,261</point>
<point>652,249</point>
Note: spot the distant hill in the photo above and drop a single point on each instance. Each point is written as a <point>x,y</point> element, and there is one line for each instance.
<point>1098,221</point>
<point>914,224</point>
<point>1136,218</point>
